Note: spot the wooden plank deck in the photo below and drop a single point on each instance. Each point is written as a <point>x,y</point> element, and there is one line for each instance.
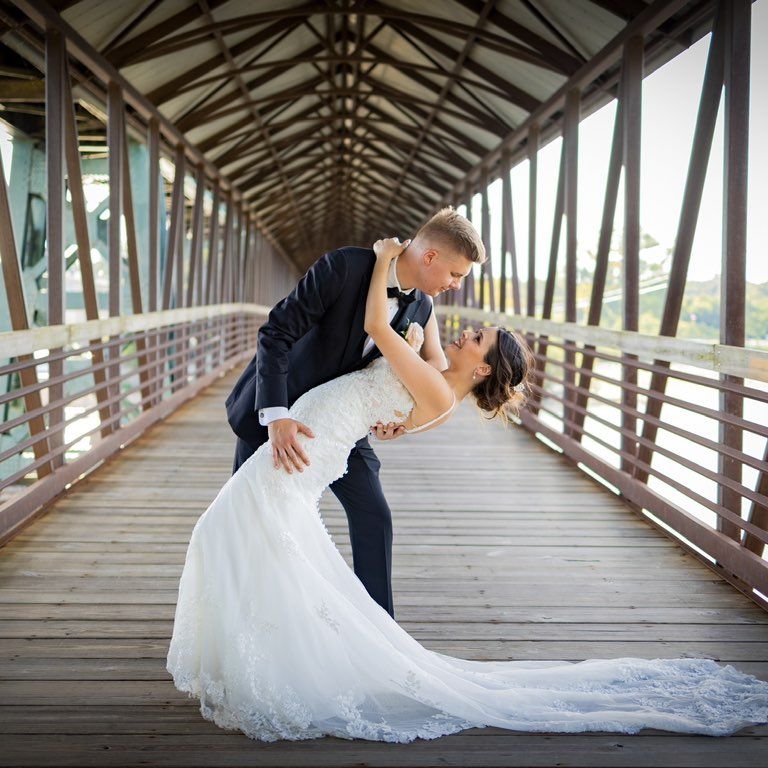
<point>502,551</point>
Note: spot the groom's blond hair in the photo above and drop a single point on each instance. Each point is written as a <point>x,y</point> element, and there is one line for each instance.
<point>454,230</point>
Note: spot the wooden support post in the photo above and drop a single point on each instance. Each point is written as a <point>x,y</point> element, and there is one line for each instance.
<point>689,213</point>
<point>487,271</point>
<point>232,254</point>
<point>17,309</point>
<point>82,237</point>
<point>194,281</point>
<point>237,272</point>
<point>601,264</point>
<point>181,238</point>
<point>506,221</point>
<point>632,80</point>
<point>533,162</point>
<point>733,271</point>
<point>153,147</point>
<point>115,140</point>
<point>223,278</point>
<point>195,257</point>
<point>259,277</point>
<point>508,245</point>
<point>243,292</point>
<point>469,283</point>
<point>235,255</point>
<point>557,223</point>
<point>200,261</point>
<point>176,223</point>
<point>549,286</point>
<point>226,253</point>
<point>213,250</point>
<point>484,220</point>
<point>258,246</point>
<point>55,53</point>
<point>247,260</point>
<point>571,131</point>
<point>137,307</point>
<point>153,196</point>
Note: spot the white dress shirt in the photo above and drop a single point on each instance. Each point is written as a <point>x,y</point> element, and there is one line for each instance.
<point>270,414</point>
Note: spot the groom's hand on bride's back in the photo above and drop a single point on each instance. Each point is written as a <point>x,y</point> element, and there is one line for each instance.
<point>286,449</point>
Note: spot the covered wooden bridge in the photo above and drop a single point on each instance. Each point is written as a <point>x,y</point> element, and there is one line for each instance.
<point>170,169</point>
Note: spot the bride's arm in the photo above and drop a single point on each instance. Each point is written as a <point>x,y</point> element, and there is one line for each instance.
<point>376,303</point>
<point>425,383</point>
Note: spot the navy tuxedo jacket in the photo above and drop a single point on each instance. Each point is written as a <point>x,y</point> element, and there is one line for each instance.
<point>313,335</point>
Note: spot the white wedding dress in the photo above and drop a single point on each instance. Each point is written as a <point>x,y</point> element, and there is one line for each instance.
<point>277,637</point>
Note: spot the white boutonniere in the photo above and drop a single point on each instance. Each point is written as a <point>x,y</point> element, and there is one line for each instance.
<point>413,333</point>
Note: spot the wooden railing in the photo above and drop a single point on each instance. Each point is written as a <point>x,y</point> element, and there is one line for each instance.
<point>645,416</point>
<point>75,394</point>
<point>640,414</point>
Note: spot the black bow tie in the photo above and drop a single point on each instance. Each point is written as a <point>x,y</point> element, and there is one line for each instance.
<point>402,298</point>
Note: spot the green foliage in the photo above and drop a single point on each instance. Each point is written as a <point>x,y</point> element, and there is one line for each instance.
<point>700,311</point>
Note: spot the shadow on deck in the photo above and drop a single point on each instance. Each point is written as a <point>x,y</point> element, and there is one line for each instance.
<point>502,551</point>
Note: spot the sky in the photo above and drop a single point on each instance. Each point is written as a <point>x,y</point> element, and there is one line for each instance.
<point>670,98</point>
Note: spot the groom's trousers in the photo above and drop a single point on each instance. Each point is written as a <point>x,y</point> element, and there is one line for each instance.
<point>368,516</point>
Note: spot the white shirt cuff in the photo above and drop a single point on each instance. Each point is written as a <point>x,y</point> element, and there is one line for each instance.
<point>268,415</point>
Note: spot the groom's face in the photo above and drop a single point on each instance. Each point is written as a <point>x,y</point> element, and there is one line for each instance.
<point>442,269</point>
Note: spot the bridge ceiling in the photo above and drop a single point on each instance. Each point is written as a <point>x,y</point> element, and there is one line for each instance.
<point>339,120</point>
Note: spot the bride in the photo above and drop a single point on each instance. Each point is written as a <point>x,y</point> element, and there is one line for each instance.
<point>277,637</point>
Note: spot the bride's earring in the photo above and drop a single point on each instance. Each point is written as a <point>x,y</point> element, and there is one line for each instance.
<point>474,375</point>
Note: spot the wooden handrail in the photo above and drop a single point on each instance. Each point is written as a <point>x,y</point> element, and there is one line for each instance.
<point>15,343</point>
<point>737,361</point>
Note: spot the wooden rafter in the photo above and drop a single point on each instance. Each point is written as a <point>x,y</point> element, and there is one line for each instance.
<point>515,94</point>
<point>204,4</point>
<point>431,118</point>
<point>193,78</point>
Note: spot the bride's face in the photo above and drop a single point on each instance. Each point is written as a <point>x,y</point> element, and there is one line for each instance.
<point>469,350</point>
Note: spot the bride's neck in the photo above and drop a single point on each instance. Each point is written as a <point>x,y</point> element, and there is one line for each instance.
<point>457,383</point>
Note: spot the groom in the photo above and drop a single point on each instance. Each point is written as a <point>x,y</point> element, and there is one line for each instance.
<point>316,334</point>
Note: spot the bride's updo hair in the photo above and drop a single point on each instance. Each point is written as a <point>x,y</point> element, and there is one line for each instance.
<point>507,386</point>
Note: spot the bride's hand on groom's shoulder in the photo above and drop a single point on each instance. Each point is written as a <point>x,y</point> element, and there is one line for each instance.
<point>389,247</point>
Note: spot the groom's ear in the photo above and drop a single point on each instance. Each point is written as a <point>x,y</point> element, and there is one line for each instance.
<point>428,256</point>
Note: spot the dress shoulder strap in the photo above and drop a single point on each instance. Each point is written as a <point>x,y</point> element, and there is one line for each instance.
<point>432,421</point>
